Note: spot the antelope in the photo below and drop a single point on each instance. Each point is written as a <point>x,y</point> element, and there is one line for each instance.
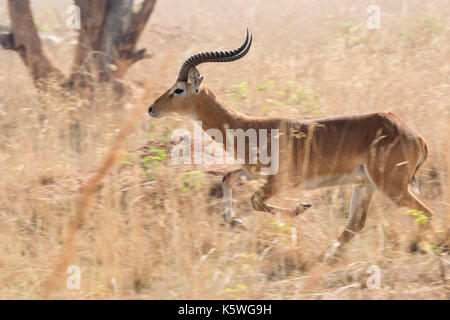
<point>374,151</point>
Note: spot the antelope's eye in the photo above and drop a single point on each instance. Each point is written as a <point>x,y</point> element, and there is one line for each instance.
<point>178,91</point>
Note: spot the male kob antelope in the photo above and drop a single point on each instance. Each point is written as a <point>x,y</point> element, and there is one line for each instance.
<point>375,151</point>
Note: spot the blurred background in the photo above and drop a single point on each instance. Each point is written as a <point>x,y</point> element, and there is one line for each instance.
<point>154,230</point>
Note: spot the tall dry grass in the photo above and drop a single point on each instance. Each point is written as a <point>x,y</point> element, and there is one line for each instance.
<point>153,230</point>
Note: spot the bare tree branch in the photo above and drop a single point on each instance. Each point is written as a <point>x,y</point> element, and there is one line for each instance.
<point>7,40</point>
<point>25,40</point>
<point>138,21</point>
<point>127,48</point>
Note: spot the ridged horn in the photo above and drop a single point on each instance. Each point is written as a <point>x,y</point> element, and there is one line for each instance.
<point>214,56</point>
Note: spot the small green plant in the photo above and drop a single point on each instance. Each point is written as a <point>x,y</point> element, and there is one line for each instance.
<point>303,96</point>
<point>153,160</point>
<point>240,92</point>
<point>421,218</point>
<point>281,228</point>
<point>433,25</point>
<point>239,288</point>
<point>421,30</point>
<point>41,27</point>
<point>349,26</point>
<point>192,181</point>
<point>248,255</point>
<point>352,34</point>
<point>128,159</point>
<point>289,93</point>
<point>165,136</point>
<point>268,84</point>
<point>434,248</point>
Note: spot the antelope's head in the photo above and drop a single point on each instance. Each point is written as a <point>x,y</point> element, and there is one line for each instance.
<point>182,97</point>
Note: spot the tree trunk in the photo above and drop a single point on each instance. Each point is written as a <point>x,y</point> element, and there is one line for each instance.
<point>84,66</point>
<point>109,31</point>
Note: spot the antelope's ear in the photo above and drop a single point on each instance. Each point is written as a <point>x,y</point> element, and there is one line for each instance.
<point>196,80</point>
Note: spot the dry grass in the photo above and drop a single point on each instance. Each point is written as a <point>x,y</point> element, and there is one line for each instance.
<point>152,229</point>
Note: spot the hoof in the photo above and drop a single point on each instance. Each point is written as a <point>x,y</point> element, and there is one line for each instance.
<point>238,223</point>
<point>302,207</point>
<point>332,254</point>
<point>306,205</point>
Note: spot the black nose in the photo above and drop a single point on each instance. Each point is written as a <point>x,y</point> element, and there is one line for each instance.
<point>150,110</point>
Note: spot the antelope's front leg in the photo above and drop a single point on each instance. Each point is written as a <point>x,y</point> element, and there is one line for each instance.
<point>230,179</point>
<point>268,190</point>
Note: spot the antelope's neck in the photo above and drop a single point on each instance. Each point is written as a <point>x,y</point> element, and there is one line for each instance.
<point>214,113</point>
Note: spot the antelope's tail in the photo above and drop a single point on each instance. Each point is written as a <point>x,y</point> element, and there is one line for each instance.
<point>413,182</point>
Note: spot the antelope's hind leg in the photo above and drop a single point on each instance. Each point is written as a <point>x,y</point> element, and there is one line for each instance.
<point>359,207</point>
<point>395,186</point>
